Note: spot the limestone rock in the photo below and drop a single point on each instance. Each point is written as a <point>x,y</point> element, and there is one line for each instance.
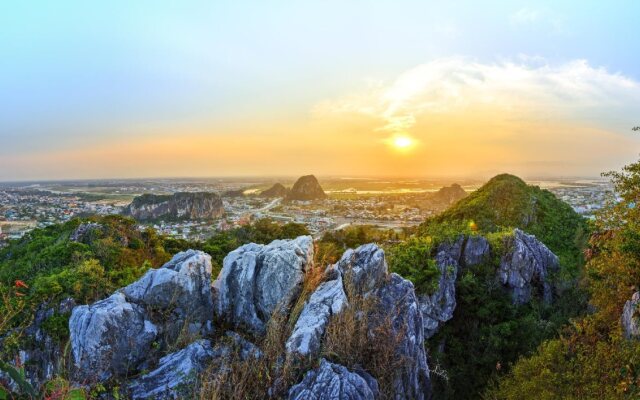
<point>179,206</point>
<point>525,268</point>
<point>255,279</point>
<point>630,326</point>
<point>364,268</point>
<point>476,251</point>
<point>327,300</point>
<point>397,301</point>
<point>334,382</point>
<point>182,285</point>
<point>306,188</point>
<point>110,337</point>
<point>277,190</point>
<point>175,375</point>
<point>437,308</point>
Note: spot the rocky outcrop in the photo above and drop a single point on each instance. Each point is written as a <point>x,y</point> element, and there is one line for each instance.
<point>175,375</point>
<point>476,251</point>
<point>115,336</point>
<point>176,207</point>
<point>364,268</point>
<point>255,279</point>
<point>327,300</point>
<point>437,307</point>
<point>84,232</point>
<point>277,190</point>
<point>182,285</point>
<point>398,302</point>
<point>332,382</point>
<point>630,325</point>
<point>525,268</point>
<point>306,188</point>
<point>41,355</point>
<point>109,337</point>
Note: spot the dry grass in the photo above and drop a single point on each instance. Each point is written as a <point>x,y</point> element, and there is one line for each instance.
<point>360,338</point>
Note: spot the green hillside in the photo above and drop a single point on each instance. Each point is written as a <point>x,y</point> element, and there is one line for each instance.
<point>506,201</point>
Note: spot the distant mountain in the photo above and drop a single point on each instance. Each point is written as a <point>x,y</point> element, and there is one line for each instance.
<point>306,188</point>
<point>449,194</point>
<point>506,201</point>
<point>277,190</point>
<point>233,193</point>
<point>179,206</point>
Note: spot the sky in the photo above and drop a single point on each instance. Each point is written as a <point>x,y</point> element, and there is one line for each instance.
<point>124,89</point>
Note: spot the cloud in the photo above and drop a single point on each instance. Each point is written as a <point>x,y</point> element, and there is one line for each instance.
<point>525,16</point>
<point>531,17</point>
<point>524,89</point>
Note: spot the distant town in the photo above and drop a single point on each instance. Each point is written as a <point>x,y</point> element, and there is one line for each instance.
<point>392,204</point>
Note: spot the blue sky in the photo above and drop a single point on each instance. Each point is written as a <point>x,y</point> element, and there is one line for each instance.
<point>80,75</point>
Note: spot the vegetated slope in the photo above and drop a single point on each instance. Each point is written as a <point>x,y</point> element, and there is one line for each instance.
<point>592,359</point>
<point>507,201</point>
<point>488,332</point>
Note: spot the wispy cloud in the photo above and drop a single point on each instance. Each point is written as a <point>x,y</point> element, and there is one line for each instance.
<point>526,88</point>
<point>544,18</point>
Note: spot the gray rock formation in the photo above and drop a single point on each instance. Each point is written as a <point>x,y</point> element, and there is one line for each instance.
<point>525,268</point>
<point>364,268</point>
<point>182,285</point>
<point>475,252</point>
<point>115,335</point>
<point>437,307</point>
<point>399,303</point>
<point>83,232</point>
<point>630,325</point>
<point>175,374</point>
<point>334,382</point>
<point>176,207</point>
<point>306,188</point>
<point>109,338</point>
<point>327,300</point>
<point>42,355</point>
<point>255,279</point>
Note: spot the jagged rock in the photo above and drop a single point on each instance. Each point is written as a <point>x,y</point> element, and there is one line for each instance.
<point>179,206</point>
<point>630,326</point>
<point>327,300</point>
<point>277,190</point>
<point>397,301</point>
<point>364,268</point>
<point>109,338</point>
<point>476,251</point>
<point>525,267</point>
<point>334,382</point>
<point>41,355</point>
<point>437,308</point>
<point>175,375</point>
<point>84,231</point>
<point>454,249</point>
<point>182,285</point>
<point>255,279</point>
<point>306,188</point>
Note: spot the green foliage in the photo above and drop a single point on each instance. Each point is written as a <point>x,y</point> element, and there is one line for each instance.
<point>57,326</point>
<point>413,260</point>
<point>507,201</point>
<point>17,374</point>
<point>591,360</point>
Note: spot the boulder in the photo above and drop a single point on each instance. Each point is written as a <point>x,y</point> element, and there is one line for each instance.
<point>255,279</point>
<point>175,375</point>
<point>182,285</point>
<point>525,268</point>
<point>109,338</point>
<point>363,269</point>
<point>398,302</point>
<point>437,307</point>
<point>327,300</point>
<point>630,326</point>
<point>334,382</point>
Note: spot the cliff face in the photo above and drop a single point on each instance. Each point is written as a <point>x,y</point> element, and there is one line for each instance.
<point>307,188</point>
<point>179,206</point>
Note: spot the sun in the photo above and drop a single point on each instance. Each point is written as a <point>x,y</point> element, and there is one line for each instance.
<point>402,142</point>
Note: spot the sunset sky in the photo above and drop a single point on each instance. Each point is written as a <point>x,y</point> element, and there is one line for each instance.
<point>370,88</point>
